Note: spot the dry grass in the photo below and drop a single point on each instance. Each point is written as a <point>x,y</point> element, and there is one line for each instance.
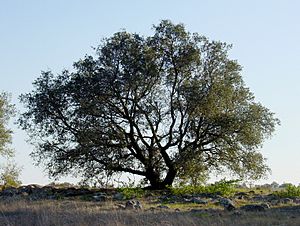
<point>46,213</point>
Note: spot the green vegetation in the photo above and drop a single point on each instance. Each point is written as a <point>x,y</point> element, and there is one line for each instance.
<point>131,192</point>
<point>9,172</point>
<point>289,191</point>
<point>6,111</point>
<point>223,187</point>
<point>185,206</point>
<point>9,176</point>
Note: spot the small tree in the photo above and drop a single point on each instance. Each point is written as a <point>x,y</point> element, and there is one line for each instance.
<point>9,175</point>
<point>153,106</point>
<point>6,111</point>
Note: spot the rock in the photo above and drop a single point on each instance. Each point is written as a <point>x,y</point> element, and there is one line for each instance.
<point>162,207</point>
<point>271,197</point>
<point>10,191</point>
<point>265,205</point>
<point>198,201</point>
<point>100,197</point>
<point>196,210</point>
<point>29,188</point>
<point>118,196</point>
<point>138,205</point>
<point>241,195</point>
<point>37,192</point>
<point>274,202</point>
<point>133,204</point>
<point>286,201</point>
<point>72,192</point>
<point>237,213</point>
<point>227,204</point>
<point>258,198</point>
<point>297,201</point>
<point>254,207</point>
<point>24,194</point>
<point>170,199</point>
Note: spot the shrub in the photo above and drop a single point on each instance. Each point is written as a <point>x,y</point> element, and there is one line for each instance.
<point>289,191</point>
<point>131,192</point>
<point>9,177</point>
<point>222,187</point>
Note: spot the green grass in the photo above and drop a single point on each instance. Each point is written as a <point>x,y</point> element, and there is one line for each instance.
<point>69,213</point>
<point>223,187</point>
<point>131,192</point>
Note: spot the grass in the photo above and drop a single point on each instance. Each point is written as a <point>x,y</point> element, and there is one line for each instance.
<point>50,213</point>
<point>131,192</point>
<point>82,211</point>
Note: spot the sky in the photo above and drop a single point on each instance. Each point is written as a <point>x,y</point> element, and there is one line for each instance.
<point>52,34</point>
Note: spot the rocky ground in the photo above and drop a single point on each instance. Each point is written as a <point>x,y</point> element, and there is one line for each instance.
<point>50,205</point>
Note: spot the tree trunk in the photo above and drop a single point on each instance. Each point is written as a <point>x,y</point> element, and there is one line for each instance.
<point>156,183</point>
<point>170,177</point>
<point>154,179</point>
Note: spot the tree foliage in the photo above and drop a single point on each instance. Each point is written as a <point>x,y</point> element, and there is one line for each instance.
<point>152,106</point>
<point>10,175</point>
<point>6,111</point>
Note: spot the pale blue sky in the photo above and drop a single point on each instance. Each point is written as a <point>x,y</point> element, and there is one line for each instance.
<point>40,35</point>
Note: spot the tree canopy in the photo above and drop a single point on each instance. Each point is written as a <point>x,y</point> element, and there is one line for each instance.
<point>169,105</point>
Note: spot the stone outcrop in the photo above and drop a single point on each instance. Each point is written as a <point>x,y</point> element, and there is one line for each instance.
<point>227,204</point>
<point>36,192</point>
<point>255,208</point>
<point>133,204</point>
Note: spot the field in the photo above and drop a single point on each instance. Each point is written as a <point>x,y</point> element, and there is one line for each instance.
<point>46,213</point>
<point>45,206</point>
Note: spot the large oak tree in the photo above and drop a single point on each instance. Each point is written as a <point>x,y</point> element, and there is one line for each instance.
<point>153,106</point>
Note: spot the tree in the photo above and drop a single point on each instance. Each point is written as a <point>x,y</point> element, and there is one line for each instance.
<point>9,174</point>
<point>6,111</point>
<point>151,106</point>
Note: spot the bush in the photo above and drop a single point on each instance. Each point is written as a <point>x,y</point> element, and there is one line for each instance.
<point>223,187</point>
<point>289,191</point>
<point>9,176</point>
<point>131,192</point>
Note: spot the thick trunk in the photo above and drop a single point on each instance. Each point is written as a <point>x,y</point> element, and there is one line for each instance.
<point>156,183</point>
<point>170,177</point>
<point>154,179</point>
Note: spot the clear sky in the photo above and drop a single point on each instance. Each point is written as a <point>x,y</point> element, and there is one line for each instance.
<point>52,34</point>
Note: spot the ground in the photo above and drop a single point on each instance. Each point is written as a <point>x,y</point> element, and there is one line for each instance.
<point>110,207</point>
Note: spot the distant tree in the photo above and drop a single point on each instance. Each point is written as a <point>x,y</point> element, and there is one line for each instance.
<point>285,185</point>
<point>10,175</point>
<point>274,185</point>
<point>6,111</point>
<point>159,107</point>
<point>9,172</point>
